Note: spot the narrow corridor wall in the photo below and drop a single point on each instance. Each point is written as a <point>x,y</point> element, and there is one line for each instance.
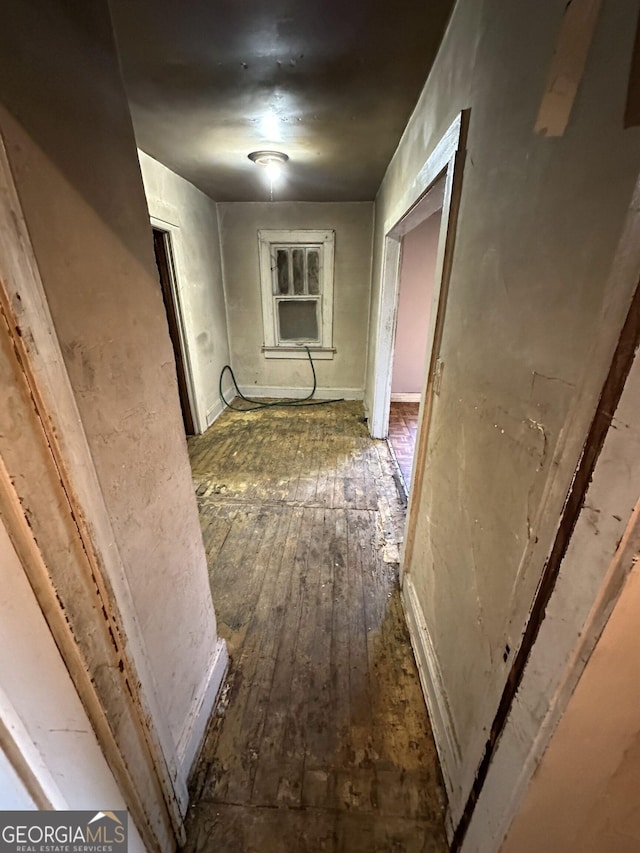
<point>196,245</point>
<point>531,323</point>
<point>67,129</point>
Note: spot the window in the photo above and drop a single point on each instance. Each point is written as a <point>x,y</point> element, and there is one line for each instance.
<point>296,278</point>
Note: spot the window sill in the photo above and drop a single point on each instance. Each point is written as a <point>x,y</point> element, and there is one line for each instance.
<point>317,353</point>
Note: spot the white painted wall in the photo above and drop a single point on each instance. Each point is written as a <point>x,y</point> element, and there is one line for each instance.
<point>352,223</point>
<point>70,143</point>
<point>198,263</point>
<point>531,322</point>
<point>417,269</point>
<point>13,793</point>
<point>41,713</point>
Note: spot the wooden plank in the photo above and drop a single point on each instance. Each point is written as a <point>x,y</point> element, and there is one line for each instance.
<point>270,767</point>
<point>320,736</point>
<point>303,695</point>
<point>359,684</point>
<point>339,636</point>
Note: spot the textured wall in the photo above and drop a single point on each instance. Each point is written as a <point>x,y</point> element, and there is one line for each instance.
<point>352,223</point>
<point>199,275</point>
<point>530,326</point>
<point>71,147</point>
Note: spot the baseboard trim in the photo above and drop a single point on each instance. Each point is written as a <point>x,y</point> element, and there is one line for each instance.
<point>297,393</point>
<point>214,411</point>
<point>434,694</point>
<point>406,397</point>
<point>202,706</point>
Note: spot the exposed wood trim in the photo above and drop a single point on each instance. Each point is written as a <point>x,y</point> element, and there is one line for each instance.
<point>609,398</point>
<point>92,659</point>
<point>51,494</point>
<point>567,66</point>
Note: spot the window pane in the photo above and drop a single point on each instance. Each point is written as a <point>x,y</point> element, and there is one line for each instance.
<point>282,262</point>
<point>297,258</point>
<point>298,320</point>
<point>313,271</point>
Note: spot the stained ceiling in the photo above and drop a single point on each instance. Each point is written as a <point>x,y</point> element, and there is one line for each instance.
<point>331,83</point>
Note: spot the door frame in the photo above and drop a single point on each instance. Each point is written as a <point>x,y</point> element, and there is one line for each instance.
<point>53,509</point>
<point>422,199</point>
<point>174,244</point>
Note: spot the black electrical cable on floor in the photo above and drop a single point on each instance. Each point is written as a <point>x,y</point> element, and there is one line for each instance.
<point>257,404</point>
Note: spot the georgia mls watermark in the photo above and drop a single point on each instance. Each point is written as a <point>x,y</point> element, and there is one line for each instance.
<point>63,832</point>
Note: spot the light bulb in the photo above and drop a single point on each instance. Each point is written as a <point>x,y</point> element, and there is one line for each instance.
<point>273,171</point>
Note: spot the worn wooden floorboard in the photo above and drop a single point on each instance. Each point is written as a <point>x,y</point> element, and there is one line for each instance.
<point>321,741</point>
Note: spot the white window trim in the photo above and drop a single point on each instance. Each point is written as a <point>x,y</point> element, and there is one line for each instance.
<point>271,347</point>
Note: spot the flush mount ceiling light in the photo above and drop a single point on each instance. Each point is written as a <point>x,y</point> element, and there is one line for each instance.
<point>273,161</point>
<point>269,158</point>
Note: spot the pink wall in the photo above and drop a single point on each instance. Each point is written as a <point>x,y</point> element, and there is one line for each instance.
<point>416,288</point>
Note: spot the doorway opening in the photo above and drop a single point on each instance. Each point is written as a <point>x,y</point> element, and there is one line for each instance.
<point>435,188</point>
<point>409,360</point>
<point>166,274</point>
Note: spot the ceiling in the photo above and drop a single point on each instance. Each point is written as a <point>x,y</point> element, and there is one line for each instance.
<point>331,83</point>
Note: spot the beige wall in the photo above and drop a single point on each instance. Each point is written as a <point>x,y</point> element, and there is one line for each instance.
<point>198,263</point>
<point>419,250</point>
<point>352,223</point>
<point>70,143</point>
<point>584,795</point>
<point>530,326</point>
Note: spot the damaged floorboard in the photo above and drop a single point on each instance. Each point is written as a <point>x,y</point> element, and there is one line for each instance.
<point>321,741</point>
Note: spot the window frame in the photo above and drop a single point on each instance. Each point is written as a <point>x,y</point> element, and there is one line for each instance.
<point>268,241</point>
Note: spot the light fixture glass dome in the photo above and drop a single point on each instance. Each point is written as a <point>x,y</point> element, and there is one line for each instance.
<point>269,158</point>
<point>272,161</point>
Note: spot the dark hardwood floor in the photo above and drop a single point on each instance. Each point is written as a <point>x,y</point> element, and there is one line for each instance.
<point>321,741</point>
<point>403,430</point>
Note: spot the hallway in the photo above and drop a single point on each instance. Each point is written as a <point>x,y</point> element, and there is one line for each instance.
<point>322,741</point>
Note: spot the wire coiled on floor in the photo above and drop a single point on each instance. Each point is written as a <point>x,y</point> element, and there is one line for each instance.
<point>257,404</point>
